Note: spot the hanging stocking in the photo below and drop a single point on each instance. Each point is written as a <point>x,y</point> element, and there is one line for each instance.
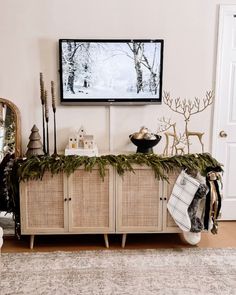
<point>196,223</point>
<point>181,197</point>
<point>213,200</point>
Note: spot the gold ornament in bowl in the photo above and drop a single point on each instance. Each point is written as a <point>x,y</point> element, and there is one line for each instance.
<point>137,135</point>
<point>143,130</point>
<point>144,140</point>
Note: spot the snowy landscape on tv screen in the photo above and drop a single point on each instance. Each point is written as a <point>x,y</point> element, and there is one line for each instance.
<point>107,70</point>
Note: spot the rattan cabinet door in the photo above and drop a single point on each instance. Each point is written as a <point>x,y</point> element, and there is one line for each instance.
<point>169,224</point>
<point>139,204</point>
<point>42,205</point>
<point>91,205</point>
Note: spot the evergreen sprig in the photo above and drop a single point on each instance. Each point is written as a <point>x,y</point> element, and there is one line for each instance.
<point>34,167</point>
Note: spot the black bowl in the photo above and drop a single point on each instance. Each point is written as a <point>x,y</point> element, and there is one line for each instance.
<point>145,145</point>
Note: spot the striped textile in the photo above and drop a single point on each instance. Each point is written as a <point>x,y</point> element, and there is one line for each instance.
<point>181,197</point>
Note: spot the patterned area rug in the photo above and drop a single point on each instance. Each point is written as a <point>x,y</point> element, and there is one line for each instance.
<point>144,272</point>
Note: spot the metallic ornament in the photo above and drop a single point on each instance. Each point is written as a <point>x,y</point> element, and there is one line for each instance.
<point>137,135</point>
<point>147,136</point>
<point>143,130</point>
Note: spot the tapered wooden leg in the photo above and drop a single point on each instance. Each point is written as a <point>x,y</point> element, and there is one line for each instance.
<point>31,241</point>
<point>124,236</point>
<point>106,240</point>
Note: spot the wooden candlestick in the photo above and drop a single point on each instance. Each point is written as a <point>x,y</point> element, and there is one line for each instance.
<point>47,120</point>
<point>54,117</point>
<point>43,113</point>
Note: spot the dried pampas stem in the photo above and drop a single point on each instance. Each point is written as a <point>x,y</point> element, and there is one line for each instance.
<point>41,88</point>
<point>53,97</point>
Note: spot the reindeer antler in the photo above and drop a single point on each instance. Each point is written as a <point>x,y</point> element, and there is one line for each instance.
<point>165,124</point>
<point>188,108</point>
<point>181,138</point>
<point>206,102</point>
<point>174,105</point>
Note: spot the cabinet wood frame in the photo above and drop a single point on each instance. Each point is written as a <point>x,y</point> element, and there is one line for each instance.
<point>115,210</point>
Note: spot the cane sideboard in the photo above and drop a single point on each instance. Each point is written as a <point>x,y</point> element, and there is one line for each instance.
<point>84,203</point>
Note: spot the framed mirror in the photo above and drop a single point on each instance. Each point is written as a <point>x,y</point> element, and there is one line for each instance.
<point>10,146</point>
<point>10,137</point>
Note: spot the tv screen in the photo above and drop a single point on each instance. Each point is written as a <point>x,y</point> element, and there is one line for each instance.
<point>102,72</point>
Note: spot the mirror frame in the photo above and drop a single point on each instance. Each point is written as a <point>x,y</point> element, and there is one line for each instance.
<point>16,114</point>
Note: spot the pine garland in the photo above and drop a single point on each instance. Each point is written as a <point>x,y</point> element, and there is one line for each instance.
<point>35,166</point>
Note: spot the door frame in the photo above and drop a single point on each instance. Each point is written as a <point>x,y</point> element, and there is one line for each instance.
<point>216,113</point>
<point>224,11</point>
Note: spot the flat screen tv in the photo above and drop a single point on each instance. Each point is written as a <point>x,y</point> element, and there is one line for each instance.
<point>98,72</point>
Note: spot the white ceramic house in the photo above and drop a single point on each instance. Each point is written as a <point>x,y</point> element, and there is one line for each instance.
<point>88,142</point>
<point>80,141</point>
<point>80,136</point>
<point>76,140</point>
<point>73,142</point>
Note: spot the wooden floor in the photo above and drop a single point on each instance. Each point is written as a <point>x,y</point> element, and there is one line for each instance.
<point>225,238</point>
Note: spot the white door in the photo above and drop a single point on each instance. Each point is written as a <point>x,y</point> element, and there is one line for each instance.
<point>224,135</point>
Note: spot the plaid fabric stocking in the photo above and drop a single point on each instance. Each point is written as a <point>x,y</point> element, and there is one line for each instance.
<point>181,197</point>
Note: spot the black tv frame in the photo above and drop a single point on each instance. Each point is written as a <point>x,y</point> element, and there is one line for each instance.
<point>111,101</point>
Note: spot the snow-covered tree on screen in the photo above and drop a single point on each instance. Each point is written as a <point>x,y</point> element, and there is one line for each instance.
<point>69,64</point>
<point>141,59</point>
<point>111,69</point>
<point>137,50</point>
<point>86,66</point>
<point>78,60</point>
<point>153,68</point>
